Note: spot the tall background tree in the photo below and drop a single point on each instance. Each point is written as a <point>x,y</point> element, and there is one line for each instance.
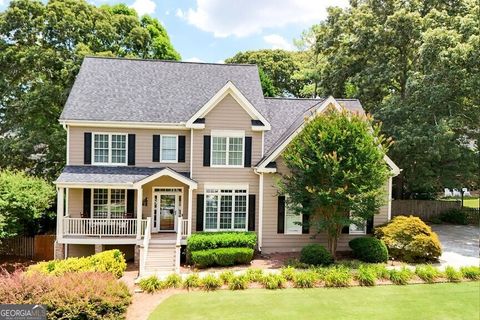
<point>41,48</point>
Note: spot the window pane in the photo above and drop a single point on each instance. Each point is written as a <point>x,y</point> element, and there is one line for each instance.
<point>291,222</point>
<point>118,205</point>
<point>240,212</point>
<point>119,148</point>
<point>100,203</point>
<point>360,228</point>
<point>235,151</point>
<point>169,148</point>
<point>226,212</point>
<point>211,210</point>
<point>219,150</point>
<point>100,148</point>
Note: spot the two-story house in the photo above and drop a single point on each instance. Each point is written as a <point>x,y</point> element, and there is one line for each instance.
<point>158,150</point>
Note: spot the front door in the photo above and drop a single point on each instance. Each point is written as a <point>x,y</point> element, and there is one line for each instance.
<point>166,209</point>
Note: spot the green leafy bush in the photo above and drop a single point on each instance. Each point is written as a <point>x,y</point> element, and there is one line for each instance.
<point>288,273</point>
<point>337,277</point>
<point>366,276</point>
<point>305,279</point>
<point>454,216</point>
<point>472,273</point>
<point>150,284</point>
<point>273,281</point>
<point>210,282</point>
<point>369,249</point>
<point>254,274</point>
<point>192,281</point>
<point>222,257</point>
<point>427,273</point>
<point>316,255</point>
<point>410,239</point>
<point>111,261</point>
<point>401,276</point>
<point>173,281</point>
<point>227,276</point>
<point>238,283</point>
<point>213,240</point>
<point>89,295</point>
<point>452,274</point>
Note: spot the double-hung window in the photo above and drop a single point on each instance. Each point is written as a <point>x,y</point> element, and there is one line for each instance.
<point>109,203</point>
<point>358,228</point>
<point>225,209</point>
<point>293,221</point>
<point>110,148</point>
<point>227,148</point>
<point>168,148</point>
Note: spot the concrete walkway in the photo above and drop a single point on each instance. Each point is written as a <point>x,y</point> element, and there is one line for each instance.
<point>460,245</point>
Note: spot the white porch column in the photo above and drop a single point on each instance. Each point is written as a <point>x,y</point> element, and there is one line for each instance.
<point>190,196</point>
<point>260,211</point>
<point>139,212</point>
<point>60,211</point>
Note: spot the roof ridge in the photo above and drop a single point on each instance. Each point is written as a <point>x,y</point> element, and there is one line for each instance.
<point>172,61</point>
<point>293,98</point>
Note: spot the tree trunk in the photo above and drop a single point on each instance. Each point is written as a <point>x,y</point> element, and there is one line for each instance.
<point>332,241</point>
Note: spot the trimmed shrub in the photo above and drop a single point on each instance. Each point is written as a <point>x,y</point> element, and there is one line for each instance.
<point>305,279</point>
<point>173,281</point>
<point>337,277</point>
<point>288,273</point>
<point>238,283</point>
<point>213,240</point>
<point>222,257</point>
<point>427,273</point>
<point>211,283</point>
<point>150,284</point>
<point>401,276</point>
<point>192,281</point>
<point>273,281</point>
<point>472,273</point>
<point>366,276</point>
<point>369,249</point>
<point>111,261</point>
<point>452,274</point>
<point>316,255</point>
<point>454,216</point>
<point>89,295</point>
<point>254,274</point>
<point>410,239</point>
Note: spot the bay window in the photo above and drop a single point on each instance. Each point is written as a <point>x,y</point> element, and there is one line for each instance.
<point>109,203</point>
<point>227,149</point>
<point>225,209</point>
<point>109,148</point>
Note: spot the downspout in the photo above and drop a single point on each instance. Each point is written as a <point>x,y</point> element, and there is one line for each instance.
<point>260,209</point>
<point>191,153</point>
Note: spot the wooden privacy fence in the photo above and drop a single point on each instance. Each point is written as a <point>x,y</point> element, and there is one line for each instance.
<point>40,247</point>
<point>424,209</point>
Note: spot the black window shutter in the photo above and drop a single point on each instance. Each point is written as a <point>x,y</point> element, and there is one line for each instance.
<point>251,212</point>
<point>87,148</point>
<point>181,148</point>
<point>156,148</point>
<point>206,151</point>
<point>370,225</point>
<point>199,212</point>
<point>346,229</point>
<point>248,152</point>
<point>305,225</point>
<point>131,149</point>
<point>87,196</point>
<point>281,215</point>
<point>130,201</point>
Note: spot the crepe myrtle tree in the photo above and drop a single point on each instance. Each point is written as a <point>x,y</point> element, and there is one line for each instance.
<point>337,172</point>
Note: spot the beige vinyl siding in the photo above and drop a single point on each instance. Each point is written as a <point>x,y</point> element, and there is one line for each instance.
<point>143,146</point>
<point>227,115</point>
<point>75,202</point>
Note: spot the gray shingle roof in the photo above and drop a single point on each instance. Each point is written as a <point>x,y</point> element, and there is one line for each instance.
<point>135,90</point>
<point>106,175</point>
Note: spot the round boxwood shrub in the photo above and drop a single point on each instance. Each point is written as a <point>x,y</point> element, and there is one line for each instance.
<point>315,254</point>
<point>369,249</point>
<point>410,239</point>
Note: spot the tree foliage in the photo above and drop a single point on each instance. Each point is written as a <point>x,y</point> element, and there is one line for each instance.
<point>41,48</point>
<point>415,66</point>
<point>23,201</point>
<point>337,172</point>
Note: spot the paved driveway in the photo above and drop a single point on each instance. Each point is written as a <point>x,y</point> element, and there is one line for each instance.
<point>460,245</point>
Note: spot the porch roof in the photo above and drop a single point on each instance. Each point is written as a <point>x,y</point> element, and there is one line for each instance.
<point>130,177</point>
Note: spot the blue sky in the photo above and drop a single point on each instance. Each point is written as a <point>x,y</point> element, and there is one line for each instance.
<point>213,30</point>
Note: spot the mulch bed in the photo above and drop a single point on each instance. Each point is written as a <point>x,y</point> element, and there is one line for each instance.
<point>10,264</point>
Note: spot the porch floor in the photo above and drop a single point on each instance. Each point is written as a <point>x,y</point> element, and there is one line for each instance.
<point>164,236</point>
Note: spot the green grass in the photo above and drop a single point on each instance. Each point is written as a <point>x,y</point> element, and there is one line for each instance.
<point>467,202</point>
<point>433,301</point>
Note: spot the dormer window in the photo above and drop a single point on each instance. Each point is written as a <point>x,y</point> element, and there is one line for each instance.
<point>109,148</point>
<point>227,148</point>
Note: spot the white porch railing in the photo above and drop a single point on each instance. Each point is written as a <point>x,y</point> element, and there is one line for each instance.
<point>101,227</point>
<point>184,230</point>
<point>144,249</point>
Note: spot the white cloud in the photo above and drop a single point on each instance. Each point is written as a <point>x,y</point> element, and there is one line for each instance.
<point>221,61</point>
<point>193,59</point>
<point>278,42</point>
<point>179,13</point>
<point>144,6</point>
<point>247,17</point>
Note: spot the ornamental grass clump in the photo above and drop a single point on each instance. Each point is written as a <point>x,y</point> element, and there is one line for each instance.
<point>173,281</point>
<point>226,277</point>
<point>288,273</point>
<point>401,277</point>
<point>381,271</point>
<point>471,273</point>
<point>254,275</point>
<point>192,281</point>
<point>427,273</point>
<point>452,274</point>
<point>366,276</point>
<point>337,277</point>
<point>238,283</point>
<point>151,284</point>
<point>273,281</point>
<point>211,282</point>
<point>305,279</point>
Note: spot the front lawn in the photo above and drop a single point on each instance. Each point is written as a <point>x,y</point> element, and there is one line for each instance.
<point>435,301</point>
<point>467,202</point>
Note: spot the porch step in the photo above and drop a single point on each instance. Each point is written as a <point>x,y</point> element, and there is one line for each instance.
<point>160,257</point>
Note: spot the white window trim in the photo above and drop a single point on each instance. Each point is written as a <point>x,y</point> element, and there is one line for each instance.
<point>176,148</point>
<point>285,231</point>
<point>227,134</point>
<point>228,187</point>
<point>357,232</point>
<point>109,163</point>
<point>109,203</point>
